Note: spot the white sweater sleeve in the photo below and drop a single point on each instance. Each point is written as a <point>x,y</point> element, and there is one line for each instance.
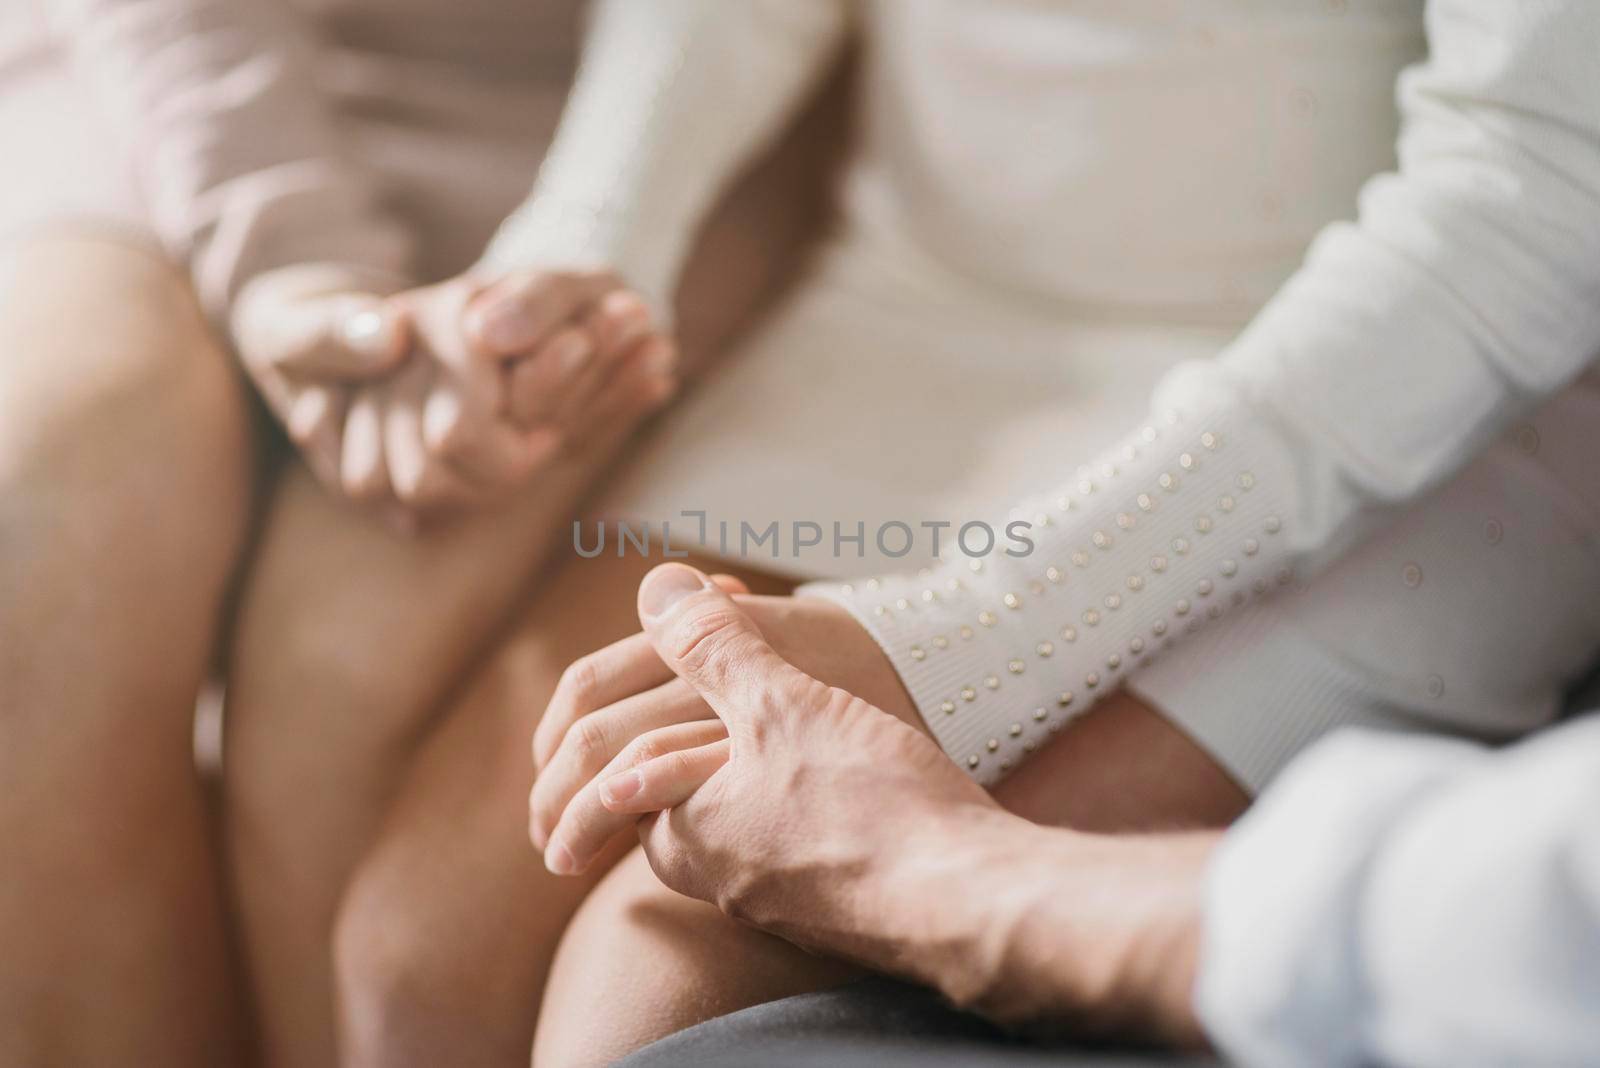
<point>671,98</point>
<point>1468,289</point>
<point>1414,901</point>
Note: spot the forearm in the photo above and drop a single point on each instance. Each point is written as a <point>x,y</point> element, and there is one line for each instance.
<point>1049,930</point>
<point>672,99</point>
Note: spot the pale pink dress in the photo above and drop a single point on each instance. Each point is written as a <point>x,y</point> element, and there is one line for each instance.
<point>444,109</point>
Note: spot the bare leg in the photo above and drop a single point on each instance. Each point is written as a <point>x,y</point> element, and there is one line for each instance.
<point>451,921</point>
<point>350,639</point>
<point>660,962</point>
<point>124,490</point>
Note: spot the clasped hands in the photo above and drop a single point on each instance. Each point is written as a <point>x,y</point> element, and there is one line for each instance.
<point>427,400</point>
<point>825,816</point>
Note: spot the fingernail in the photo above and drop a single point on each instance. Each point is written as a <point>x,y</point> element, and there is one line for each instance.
<point>558,859</point>
<point>570,352</point>
<point>618,788</point>
<point>441,414</point>
<point>666,586</point>
<point>369,331</point>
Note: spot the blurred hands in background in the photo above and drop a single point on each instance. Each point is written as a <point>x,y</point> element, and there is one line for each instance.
<point>426,401</point>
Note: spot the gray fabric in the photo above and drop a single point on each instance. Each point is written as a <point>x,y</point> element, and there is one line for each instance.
<point>875,1023</point>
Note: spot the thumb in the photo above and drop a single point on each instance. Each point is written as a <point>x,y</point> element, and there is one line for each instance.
<point>345,339</point>
<point>709,642</point>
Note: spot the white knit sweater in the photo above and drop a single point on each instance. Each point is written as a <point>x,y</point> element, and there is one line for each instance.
<point>1468,289</point>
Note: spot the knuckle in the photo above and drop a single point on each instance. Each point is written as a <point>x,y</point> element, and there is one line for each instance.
<point>670,864</point>
<point>677,765</point>
<point>579,683</point>
<point>642,751</point>
<point>698,639</point>
<point>589,740</point>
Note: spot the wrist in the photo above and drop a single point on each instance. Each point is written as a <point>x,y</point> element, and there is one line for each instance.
<point>1051,930</point>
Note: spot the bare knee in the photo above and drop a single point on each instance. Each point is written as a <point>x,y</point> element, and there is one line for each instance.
<point>405,994</point>
<point>380,980</point>
<point>660,962</point>
<point>120,419</point>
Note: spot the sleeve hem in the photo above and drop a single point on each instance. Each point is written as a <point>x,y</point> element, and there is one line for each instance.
<point>1171,530</point>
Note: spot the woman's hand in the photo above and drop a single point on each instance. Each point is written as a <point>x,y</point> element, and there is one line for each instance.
<point>502,376</point>
<point>309,334</point>
<point>606,701</point>
<point>453,394</point>
<point>580,349</point>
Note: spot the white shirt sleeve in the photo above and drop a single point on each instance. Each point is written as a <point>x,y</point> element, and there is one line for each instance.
<point>1408,900</point>
<point>1468,289</point>
<point>240,160</point>
<point>672,98</point>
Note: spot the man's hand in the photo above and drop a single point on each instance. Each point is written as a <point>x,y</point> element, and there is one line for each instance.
<point>611,697</point>
<point>785,757</point>
<point>809,813</point>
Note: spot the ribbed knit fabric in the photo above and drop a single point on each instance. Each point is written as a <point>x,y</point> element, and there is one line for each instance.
<point>1286,693</point>
<point>1465,293</point>
<point>1181,522</point>
<point>670,100</point>
<point>1462,295</point>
